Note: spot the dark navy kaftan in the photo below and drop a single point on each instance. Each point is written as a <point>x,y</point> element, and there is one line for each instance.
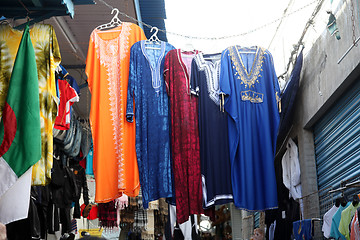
<point>213,131</point>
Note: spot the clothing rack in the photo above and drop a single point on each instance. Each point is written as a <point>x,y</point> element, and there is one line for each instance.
<point>347,184</point>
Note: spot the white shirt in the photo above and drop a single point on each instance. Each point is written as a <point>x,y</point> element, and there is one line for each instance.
<point>328,220</point>
<point>291,170</point>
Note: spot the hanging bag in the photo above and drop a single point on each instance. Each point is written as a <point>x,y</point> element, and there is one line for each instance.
<point>178,235</point>
<point>194,233</point>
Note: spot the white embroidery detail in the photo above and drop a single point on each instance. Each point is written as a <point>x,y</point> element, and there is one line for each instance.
<point>212,72</point>
<point>110,53</point>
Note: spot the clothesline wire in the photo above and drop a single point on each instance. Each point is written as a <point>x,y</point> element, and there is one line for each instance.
<point>281,20</point>
<point>215,38</point>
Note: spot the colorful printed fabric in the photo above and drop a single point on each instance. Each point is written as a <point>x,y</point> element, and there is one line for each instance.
<point>252,93</point>
<point>48,57</point>
<point>147,88</point>
<point>355,228</point>
<point>184,134</point>
<point>107,67</point>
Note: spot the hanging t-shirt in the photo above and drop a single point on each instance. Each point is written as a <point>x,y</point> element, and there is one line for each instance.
<point>107,68</point>
<point>68,96</point>
<point>184,134</point>
<point>272,230</point>
<point>147,88</point>
<point>326,228</point>
<point>214,144</point>
<point>355,228</point>
<point>327,219</point>
<point>291,170</point>
<point>345,220</point>
<point>47,54</point>
<point>251,87</point>
<point>334,231</point>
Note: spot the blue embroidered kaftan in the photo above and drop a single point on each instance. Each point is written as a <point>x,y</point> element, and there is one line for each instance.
<point>147,87</point>
<point>251,87</point>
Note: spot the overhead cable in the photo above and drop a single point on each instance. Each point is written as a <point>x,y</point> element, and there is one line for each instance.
<point>300,42</point>
<point>215,38</point>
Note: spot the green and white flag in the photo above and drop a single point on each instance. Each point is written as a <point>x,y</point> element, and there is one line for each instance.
<point>20,134</point>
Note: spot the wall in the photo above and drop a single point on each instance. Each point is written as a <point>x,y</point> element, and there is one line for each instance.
<point>322,82</point>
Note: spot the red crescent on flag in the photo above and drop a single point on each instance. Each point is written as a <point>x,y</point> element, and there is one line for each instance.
<point>10,125</point>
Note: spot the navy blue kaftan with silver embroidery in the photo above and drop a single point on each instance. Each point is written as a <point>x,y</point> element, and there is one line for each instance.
<point>147,87</point>
<point>251,87</point>
<point>213,130</point>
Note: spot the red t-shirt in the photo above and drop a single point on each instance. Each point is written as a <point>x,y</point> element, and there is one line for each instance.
<point>67,97</point>
<point>93,214</point>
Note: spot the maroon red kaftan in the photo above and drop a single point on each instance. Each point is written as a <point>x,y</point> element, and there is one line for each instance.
<point>184,134</point>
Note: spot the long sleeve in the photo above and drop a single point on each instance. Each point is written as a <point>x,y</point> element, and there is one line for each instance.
<point>291,170</point>
<point>225,71</point>
<point>275,82</point>
<point>90,63</point>
<point>85,188</point>
<point>194,79</point>
<point>131,86</point>
<point>286,169</point>
<point>167,73</point>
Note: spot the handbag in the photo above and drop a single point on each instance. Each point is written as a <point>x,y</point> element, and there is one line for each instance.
<point>194,234</point>
<point>178,235</point>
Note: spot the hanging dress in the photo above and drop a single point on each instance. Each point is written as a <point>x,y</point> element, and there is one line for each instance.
<point>213,129</point>
<point>107,68</point>
<point>147,88</point>
<point>184,135</point>
<point>251,87</point>
<point>47,54</point>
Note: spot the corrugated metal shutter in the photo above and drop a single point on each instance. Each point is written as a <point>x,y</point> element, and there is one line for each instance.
<point>337,143</point>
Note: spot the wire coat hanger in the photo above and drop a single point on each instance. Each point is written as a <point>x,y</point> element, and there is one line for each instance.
<point>115,21</point>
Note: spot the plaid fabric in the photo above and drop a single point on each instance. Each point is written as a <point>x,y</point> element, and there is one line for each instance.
<point>140,220</point>
<point>139,199</point>
<point>107,214</point>
<point>136,202</point>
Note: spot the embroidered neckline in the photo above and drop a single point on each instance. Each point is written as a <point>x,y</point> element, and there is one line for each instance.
<point>212,72</point>
<point>248,79</point>
<point>155,71</point>
<point>110,53</point>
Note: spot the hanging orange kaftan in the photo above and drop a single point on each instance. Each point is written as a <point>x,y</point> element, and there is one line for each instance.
<point>107,67</point>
